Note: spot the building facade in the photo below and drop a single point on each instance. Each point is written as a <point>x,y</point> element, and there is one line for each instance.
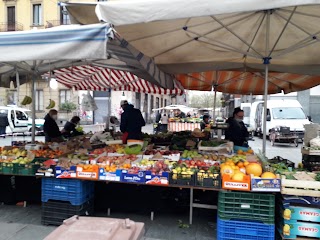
<point>20,15</point>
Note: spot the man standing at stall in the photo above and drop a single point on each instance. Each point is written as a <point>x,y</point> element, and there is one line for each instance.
<point>237,131</point>
<point>50,127</point>
<point>3,123</point>
<point>131,122</point>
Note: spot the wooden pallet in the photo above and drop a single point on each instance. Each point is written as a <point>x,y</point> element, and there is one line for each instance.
<point>300,187</point>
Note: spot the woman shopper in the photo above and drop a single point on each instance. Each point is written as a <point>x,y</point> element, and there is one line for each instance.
<point>164,123</point>
<point>69,128</point>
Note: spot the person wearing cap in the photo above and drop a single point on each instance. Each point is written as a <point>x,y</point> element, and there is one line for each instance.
<point>237,131</point>
<point>131,122</point>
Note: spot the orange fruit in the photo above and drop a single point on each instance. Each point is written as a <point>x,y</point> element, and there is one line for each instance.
<point>255,169</point>
<point>250,151</point>
<point>240,164</point>
<point>240,152</point>
<point>246,163</point>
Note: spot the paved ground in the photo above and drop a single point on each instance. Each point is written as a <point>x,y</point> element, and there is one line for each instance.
<point>18,223</point>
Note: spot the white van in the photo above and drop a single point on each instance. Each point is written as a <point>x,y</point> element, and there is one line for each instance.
<point>246,107</point>
<point>18,119</point>
<point>286,113</point>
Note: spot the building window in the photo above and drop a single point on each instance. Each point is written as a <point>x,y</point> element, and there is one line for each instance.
<point>138,100</point>
<point>165,102</point>
<point>12,97</point>
<point>157,103</point>
<point>64,96</point>
<point>39,100</point>
<point>64,16</point>
<point>37,14</point>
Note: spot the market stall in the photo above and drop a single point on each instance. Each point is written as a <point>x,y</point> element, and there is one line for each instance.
<point>182,160</point>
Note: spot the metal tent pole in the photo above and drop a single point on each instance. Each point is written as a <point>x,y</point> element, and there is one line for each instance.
<point>266,62</point>
<point>33,107</point>
<point>265,99</point>
<point>214,104</point>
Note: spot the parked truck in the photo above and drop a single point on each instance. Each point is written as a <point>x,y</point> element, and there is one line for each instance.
<point>280,113</point>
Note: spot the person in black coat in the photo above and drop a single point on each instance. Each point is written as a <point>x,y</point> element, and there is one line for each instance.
<point>69,128</point>
<point>131,122</point>
<point>4,122</point>
<point>237,131</point>
<point>50,127</point>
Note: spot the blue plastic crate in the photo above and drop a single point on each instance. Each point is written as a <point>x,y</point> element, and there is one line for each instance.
<point>74,191</point>
<point>237,229</point>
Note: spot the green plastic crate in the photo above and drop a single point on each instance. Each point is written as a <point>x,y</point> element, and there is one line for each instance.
<point>29,169</point>
<point>7,168</point>
<point>246,206</point>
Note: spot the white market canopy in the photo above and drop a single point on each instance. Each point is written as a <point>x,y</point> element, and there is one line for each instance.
<point>40,51</point>
<point>182,108</point>
<point>202,35</point>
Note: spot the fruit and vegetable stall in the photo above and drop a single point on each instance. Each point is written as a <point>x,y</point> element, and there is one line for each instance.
<point>259,198</point>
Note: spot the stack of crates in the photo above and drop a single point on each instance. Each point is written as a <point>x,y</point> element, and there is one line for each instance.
<point>64,198</point>
<point>298,216</point>
<point>243,215</point>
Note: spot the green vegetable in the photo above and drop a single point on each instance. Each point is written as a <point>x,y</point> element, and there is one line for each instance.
<point>133,149</point>
<point>212,143</point>
<point>317,178</point>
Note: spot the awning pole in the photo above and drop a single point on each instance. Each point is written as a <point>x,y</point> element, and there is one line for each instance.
<point>33,107</point>
<point>18,88</point>
<point>214,104</point>
<point>265,99</point>
<point>266,62</point>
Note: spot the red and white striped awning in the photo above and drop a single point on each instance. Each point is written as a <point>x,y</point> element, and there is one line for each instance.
<point>96,78</point>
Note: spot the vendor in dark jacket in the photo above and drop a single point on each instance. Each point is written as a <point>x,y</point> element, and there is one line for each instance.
<point>3,123</point>
<point>50,127</point>
<point>131,122</point>
<point>237,131</point>
<point>69,128</point>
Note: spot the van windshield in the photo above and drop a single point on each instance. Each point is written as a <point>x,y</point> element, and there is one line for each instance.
<point>246,111</point>
<point>288,113</point>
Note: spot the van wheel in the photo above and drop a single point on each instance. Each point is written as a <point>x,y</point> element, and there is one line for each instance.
<point>37,129</point>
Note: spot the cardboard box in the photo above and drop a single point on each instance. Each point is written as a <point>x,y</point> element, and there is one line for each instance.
<point>302,213</point>
<point>128,177</point>
<point>292,229</point>
<point>157,179</point>
<point>110,176</point>
<point>228,183</point>
<point>61,172</point>
<point>87,172</point>
<point>306,151</point>
<point>265,185</point>
<point>305,200</point>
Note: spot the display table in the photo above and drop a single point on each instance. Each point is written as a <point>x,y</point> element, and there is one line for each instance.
<point>180,126</point>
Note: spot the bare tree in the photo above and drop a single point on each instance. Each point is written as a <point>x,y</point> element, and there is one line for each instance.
<point>205,100</point>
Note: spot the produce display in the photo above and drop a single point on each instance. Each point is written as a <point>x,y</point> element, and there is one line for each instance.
<point>47,153</point>
<point>183,159</point>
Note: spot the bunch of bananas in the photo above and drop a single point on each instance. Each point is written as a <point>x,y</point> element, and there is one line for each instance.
<point>26,100</point>
<point>51,104</point>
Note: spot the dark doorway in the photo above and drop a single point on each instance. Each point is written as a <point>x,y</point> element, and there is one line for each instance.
<point>11,17</point>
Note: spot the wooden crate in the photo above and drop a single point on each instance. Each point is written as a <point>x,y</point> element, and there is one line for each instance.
<point>300,188</point>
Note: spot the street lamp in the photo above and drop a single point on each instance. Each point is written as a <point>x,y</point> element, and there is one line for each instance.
<point>53,83</point>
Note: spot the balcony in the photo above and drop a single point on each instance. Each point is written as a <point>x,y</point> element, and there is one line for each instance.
<point>8,26</point>
<point>55,23</point>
